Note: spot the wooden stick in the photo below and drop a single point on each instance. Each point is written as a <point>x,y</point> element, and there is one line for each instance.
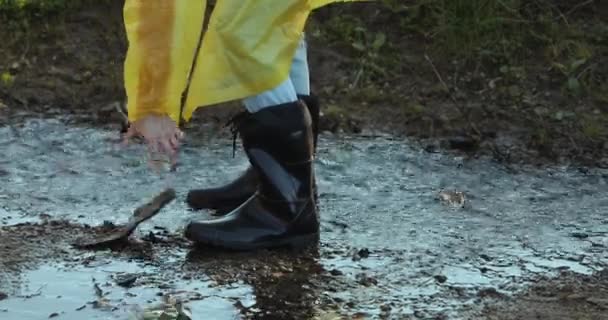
<point>140,215</point>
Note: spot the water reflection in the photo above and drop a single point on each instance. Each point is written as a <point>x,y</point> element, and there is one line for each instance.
<point>284,281</point>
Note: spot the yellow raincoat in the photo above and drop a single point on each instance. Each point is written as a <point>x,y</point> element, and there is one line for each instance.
<point>247,48</point>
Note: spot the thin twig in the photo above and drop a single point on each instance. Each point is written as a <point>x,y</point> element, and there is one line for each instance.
<point>460,108</point>
<point>37,293</point>
<point>98,291</point>
<point>578,6</point>
<point>23,56</point>
<point>119,108</point>
<point>562,16</point>
<point>357,78</point>
<point>447,89</point>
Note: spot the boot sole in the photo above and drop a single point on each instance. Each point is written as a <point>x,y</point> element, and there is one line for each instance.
<point>297,243</point>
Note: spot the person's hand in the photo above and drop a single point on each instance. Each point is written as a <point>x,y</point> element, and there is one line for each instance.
<point>162,136</point>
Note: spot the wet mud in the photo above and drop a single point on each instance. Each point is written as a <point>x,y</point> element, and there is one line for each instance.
<point>571,297</point>
<point>406,234</point>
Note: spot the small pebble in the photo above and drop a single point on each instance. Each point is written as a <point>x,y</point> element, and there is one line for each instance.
<point>366,280</point>
<point>485,257</point>
<point>579,235</point>
<point>489,293</point>
<point>363,253</point>
<point>336,272</point>
<point>440,278</point>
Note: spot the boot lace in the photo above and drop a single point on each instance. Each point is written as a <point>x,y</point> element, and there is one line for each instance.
<point>234,124</point>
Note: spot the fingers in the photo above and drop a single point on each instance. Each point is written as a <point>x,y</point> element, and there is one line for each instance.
<point>167,148</point>
<point>155,165</point>
<point>153,149</point>
<point>131,133</point>
<point>176,137</point>
<point>174,142</point>
<point>173,167</point>
<point>162,138</point>
<point>159,148</point>
<point>154,155</point>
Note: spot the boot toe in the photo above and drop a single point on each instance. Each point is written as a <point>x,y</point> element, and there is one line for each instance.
<point>201,232</point>
<point>197,200</point>
<point>222,233</point>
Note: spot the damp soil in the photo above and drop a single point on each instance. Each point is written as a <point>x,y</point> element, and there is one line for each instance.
<point>72,63</point>
<point>406,234</point>
<point>572,296</point>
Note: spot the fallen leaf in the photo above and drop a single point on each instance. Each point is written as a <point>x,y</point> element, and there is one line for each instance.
<point>454,198</point>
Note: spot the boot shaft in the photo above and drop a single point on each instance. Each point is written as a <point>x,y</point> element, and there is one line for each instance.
<point>279,143</point>
<point>314,109</point>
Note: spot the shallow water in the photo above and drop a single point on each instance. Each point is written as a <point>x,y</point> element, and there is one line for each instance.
<point>375,193</point>
<point>70,293</point>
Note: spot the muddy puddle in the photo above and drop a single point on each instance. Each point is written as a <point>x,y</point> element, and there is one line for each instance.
<point>63,291</point>
<point>390,248</point>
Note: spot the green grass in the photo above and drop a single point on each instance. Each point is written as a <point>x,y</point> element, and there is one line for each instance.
<point>35,6</point>
<point>497,34</point>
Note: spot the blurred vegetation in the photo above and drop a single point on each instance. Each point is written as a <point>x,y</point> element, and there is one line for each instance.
<point>539,63</point>
<point>498,34</point>
<point>488,31</point>
<point>17,9</point>
<point>19,15</point>
<point>507,51</point>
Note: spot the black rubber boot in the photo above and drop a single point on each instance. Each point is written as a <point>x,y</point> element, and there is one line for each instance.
<point>279,144</point>
<point>228,197</point>
<point>225,198</point>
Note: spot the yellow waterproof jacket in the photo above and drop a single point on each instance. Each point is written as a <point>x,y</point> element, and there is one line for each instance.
<point>247,48</point>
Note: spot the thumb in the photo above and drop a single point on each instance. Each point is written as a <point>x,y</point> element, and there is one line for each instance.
<point>131,133</point>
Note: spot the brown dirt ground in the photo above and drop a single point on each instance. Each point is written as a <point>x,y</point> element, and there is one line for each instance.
<point>570,297</point>
<point>286,283</point>
<point>73,64</point>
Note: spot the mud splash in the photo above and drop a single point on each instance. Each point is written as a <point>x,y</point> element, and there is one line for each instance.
<point>389,247</point>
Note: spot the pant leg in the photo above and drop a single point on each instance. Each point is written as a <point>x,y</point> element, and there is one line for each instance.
<point>299,73</point>
<point>284,93</point>
<point>287,91</point>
